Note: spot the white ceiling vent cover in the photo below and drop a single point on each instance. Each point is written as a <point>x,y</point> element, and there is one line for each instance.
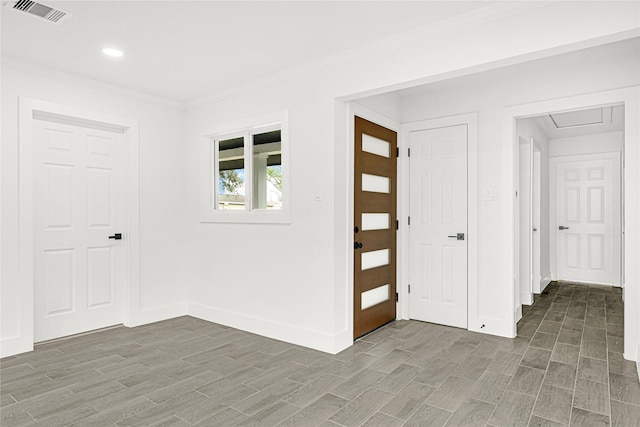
<point>40,10</point>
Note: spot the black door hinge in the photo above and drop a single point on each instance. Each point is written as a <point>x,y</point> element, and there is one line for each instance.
<point>409,288</point>
<point>397,151</point>
<point>396,297</point>
<point>397,224</point>
<point>409,220</point>
<point>409,152</point>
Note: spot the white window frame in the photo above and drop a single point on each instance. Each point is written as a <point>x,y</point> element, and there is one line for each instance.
<point>209,170</point>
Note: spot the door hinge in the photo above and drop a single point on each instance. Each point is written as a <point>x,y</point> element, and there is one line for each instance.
<point>408,220</point>
<point>409,152</point>
<point>409,286</point>
<point>396,297</point>
<point>397,224</point>
<point>397,151</point>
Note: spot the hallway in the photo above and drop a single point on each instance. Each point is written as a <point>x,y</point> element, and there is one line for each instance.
<point>565,367</point>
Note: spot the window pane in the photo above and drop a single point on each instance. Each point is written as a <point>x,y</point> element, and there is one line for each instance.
<point>267,170</point>
<point>231,174</point>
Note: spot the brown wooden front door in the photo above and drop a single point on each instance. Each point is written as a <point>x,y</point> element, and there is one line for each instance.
<point>374,255</point>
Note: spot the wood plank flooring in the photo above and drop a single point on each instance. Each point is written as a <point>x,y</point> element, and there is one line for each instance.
<point>564,368</point>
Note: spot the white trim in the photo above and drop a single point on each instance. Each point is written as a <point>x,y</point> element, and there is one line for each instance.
<point>474,321</point>
<point>630,97</point>
<point>526,298</point>
<point>131,242</point>
<point>208,170</point>
<point>617,210</point>
<point>49,72</point>
<point>544,283</point>
<point>281,331</point>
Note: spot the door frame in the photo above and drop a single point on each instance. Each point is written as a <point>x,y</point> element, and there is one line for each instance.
<point>617,214</point>
<point>30,110</point>
<point>536,212</point>
<point>525,295</point>
<point>630,97</point>
<point>475,322</point>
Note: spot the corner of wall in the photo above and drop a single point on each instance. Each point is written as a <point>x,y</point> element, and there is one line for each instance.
<point>290,333</point>
<point>15,345</point>
<point>143,317</point>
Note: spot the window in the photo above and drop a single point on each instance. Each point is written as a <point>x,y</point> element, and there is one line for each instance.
<point>246,177</point>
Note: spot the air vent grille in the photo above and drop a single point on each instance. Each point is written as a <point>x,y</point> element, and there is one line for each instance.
<point>41,11</point>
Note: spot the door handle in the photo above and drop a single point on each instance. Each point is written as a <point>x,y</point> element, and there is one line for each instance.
<point>117,236</point>
<point>357,245</point>
<point>562,227</point>
<point>459,236</point>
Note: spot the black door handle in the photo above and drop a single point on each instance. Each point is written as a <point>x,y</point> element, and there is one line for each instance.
<point>117,236</point>
<point>562,227</point>
<point>459,236</point>
<point>357,245</point>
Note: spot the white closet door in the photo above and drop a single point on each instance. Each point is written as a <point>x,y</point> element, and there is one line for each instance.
<point>78,204</point>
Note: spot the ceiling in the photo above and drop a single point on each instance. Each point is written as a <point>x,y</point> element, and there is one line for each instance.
<point>582,122</point>
<point>186,50</point>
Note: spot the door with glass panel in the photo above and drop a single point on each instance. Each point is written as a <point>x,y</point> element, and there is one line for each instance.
<point>374,238</point>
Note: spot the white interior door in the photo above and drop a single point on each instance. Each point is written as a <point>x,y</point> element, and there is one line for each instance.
<point>535,216</point>
<point>438,230</point>
<point>525,194</point>
<point>587,218</point>
<point>78,202</point>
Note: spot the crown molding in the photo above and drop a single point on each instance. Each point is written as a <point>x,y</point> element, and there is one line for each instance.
<point>66,76</point>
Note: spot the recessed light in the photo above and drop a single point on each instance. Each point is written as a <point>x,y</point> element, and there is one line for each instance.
<point>109,51</point>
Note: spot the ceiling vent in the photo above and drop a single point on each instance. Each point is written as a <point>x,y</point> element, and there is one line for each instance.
<point>40,10</point>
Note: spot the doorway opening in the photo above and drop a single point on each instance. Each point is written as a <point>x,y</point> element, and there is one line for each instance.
<point>569,200</point>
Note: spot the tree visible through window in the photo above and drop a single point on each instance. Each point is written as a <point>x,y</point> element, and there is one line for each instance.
<point>263,180</point>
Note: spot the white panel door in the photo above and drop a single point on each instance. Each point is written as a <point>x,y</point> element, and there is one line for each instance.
<point>438,210</point>
<point>78,201</point>
<point>585,220</point>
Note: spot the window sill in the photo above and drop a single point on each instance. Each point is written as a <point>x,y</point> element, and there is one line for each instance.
<point>243,217</point>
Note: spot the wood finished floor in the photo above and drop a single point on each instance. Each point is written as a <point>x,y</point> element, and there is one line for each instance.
<point>565,367</point>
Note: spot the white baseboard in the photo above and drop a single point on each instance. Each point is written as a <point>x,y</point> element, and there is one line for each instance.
<point>281,331</point>
<point>518,313</point>
<point>544,283</point>
<point>526,298</point>
<point>144,317</point>
<point>15,345</point>
<point>493,326</point>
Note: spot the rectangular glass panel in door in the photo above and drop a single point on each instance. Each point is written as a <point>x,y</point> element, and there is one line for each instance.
<point>374,145</point>
<point>230,180</point>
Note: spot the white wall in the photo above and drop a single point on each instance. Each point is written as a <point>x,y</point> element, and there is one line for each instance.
<point>162,288</point>
<point>309,301</point>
